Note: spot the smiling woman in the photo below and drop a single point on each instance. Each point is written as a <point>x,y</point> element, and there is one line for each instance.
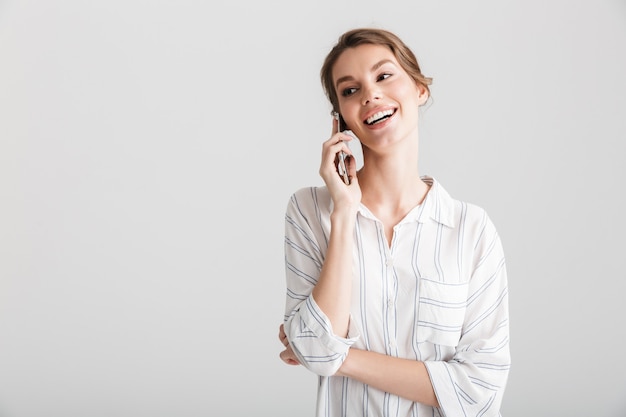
<point>397,293</point>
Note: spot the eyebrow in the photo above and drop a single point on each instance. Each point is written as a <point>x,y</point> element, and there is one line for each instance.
<point>374,68</point>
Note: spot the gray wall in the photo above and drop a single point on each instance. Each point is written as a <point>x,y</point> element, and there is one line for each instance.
<point>148,149</point>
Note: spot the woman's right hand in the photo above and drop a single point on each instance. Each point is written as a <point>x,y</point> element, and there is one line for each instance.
<point>341,193</point>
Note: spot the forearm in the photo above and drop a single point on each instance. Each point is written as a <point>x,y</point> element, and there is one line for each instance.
<point>403,377</point>
<point>332,293</point>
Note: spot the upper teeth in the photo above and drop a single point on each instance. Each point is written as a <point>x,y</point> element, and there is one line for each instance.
<point>378,116</point>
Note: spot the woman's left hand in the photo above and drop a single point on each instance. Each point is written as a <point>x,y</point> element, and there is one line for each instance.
<point>286,355</point>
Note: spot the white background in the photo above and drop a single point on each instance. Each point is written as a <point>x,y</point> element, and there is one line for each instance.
<point>148,150</point>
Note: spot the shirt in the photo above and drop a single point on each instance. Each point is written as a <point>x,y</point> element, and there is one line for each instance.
<point>438,294</point>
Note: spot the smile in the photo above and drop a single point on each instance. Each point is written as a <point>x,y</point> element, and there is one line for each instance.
<point>379,117</point>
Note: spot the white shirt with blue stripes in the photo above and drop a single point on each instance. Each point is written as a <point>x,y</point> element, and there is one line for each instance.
<point>437,294</point>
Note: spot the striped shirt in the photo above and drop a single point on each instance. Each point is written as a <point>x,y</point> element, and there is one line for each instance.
<point>437,294</point>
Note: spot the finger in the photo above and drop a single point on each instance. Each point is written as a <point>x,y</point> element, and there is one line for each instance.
<point>335,125</point>
<point>288,357</point>
<point>282,336</point>
<point>334,145</point>
<point>290,362</point>
<point>351,167</point>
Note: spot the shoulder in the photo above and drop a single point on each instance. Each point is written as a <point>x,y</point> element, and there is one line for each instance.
<point>453,212</point>
<point>472,223</point>
<point>310,200</point>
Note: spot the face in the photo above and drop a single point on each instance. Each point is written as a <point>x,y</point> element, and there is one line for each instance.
<point>378,100</point>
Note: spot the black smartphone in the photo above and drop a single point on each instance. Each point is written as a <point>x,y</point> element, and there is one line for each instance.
<point>341,164</point>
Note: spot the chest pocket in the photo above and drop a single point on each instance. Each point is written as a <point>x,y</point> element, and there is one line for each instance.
<point>441,311</point>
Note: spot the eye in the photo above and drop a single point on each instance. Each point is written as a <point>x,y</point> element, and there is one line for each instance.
<point>348,91</point>
<point>383,76</point>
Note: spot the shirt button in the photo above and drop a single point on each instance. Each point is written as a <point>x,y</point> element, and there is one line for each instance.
<point>392,345</point>
<point>389,262</point>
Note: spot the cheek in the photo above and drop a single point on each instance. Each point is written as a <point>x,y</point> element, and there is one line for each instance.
<point>350,113</point>
<point>411,98</point>
<point>406,92</point>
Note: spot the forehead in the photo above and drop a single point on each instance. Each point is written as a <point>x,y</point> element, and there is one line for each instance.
<point>361,59</point>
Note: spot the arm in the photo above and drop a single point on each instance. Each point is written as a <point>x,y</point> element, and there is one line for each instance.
<point>319,268</point>
<point>310,329</point>
<point>334,287</point>
<point>403,377</point>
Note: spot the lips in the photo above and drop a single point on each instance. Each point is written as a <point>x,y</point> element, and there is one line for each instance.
<point>379,116</point>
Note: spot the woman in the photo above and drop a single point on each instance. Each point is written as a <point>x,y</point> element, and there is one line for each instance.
<point>396,293</point>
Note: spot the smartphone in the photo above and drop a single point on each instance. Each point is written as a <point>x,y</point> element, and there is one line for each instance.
<point>341,164</point>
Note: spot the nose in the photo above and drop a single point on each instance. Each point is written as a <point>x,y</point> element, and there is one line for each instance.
<point>370,93</point>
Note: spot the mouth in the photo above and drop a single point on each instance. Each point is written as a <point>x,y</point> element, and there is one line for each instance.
<point>379,117</point>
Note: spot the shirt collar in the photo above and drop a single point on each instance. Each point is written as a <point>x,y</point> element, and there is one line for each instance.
<point>437,206</point>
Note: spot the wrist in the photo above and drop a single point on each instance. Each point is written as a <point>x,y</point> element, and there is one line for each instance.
<point>343,214</point>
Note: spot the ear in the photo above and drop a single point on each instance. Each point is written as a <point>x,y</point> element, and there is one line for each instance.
<point>423,94</point>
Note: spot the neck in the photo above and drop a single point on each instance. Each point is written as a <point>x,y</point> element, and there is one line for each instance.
<point>391,183</point>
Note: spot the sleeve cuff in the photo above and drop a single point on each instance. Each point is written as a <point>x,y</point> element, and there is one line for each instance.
<point>318,323</point>
<point>446,396</point>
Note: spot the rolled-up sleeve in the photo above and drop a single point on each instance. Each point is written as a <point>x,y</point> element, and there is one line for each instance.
<point>473,381</point>
<point>307,328</point>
